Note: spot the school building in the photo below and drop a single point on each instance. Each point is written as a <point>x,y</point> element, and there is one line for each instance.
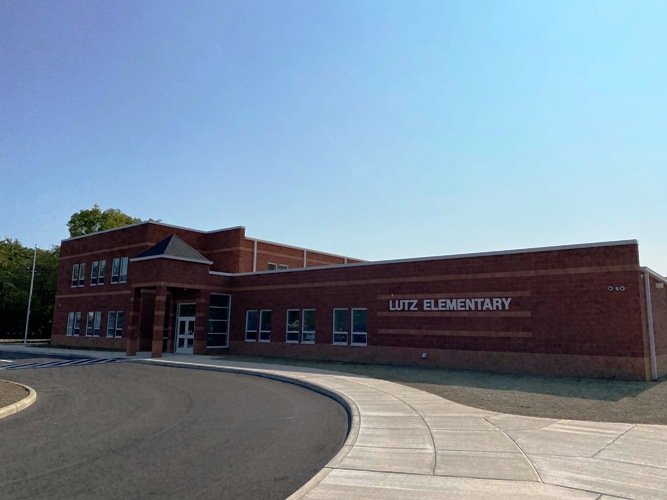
<point>579,310</point>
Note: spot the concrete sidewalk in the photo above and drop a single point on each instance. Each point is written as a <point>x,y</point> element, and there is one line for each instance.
<point>405,443</point>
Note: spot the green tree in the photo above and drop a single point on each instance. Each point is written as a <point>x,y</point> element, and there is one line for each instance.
<point>15,270</point>
<point>93,220</point>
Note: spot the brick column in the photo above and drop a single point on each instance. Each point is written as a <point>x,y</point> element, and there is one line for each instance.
<point>158,321</point>
<point>132,339</point>
<point>201,322</point>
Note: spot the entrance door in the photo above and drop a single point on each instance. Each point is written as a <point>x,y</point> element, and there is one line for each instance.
<point>185,328</point>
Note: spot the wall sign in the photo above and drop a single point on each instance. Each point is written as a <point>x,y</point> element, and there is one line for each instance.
<point>490,304</point>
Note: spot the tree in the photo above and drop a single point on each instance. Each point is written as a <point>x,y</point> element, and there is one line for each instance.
<point>93,220</point>
<point>15,269</point>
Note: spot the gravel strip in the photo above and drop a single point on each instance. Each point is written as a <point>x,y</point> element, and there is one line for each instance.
<point>597,400</point>
<point>11,393</point>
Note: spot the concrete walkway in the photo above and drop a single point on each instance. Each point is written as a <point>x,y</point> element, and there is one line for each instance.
<point>406,443</point>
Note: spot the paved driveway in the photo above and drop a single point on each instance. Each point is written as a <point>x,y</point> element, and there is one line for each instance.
<point>126,430</point>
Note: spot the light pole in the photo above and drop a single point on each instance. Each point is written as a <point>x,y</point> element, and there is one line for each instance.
<point>32,280</point>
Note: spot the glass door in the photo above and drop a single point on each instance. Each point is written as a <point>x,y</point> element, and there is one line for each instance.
<point>185,329</point>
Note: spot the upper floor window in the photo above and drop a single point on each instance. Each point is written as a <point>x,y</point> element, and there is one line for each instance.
<point>82,274</point>
<point>272,266</point>
<point>78,274</point>
<point>75,275</point>
<point>115,270</point>
<point>119,270</point>
<point>282,267</point>
<point>94,269</point>
<point>123,269</point>
<point>97,270</point>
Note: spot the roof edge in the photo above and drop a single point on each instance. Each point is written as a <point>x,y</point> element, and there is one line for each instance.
<point>171,257</point>
<point>157,224</point>
<point>442,257</point>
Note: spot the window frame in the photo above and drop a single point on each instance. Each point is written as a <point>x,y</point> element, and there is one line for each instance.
<point>260,330</point>
<point>115,270</point>
<point>124,263</point>
<point>70,324</point>
<point>120,316</point>
<point>101,272</point>
<point>247,330</point>
<point>97,324</point>
<point>75,275</point>
<point>303,325</point>
<point>352,331</point>
<point>111,324</point>
<point>215,321</point>
<point>82,274</point>
<point>269,268</point>
<point>347,330</point>
<point>76,331</point>
<point>94,270</point>
<point>293,331</point>
<point>282,267</point>
<point>90,317</point>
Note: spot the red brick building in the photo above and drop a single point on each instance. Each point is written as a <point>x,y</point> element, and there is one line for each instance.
<point>580,310</point>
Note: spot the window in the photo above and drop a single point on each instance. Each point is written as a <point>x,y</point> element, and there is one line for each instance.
<point>272,266</point>
<point>340,326</point>
<point>123,269</point>
<point>265,326</point>
<point>97,323</point>
<point>75,275</point>
<point>70,323</point>
<point>251,326</point>
<point>82,274</point>
<point>89,323</point>
<point>94,269</point>
<point>293,323</point>
<point>111,324</point>
<point>308,331</point>
<point>119,323</point>
<point>77,323</point>
<point>115,271</point>
<point>282,267</point>
<point>100,276</point>
<point>218,321</point>
<point>359,326</point>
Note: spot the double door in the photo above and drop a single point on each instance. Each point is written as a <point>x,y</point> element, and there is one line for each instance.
<point>185,329</point>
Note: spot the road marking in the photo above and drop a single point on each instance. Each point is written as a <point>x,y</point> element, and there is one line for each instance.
<point>6,360</point>
<point>61,363</point>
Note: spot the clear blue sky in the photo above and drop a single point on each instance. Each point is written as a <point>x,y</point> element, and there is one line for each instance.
<point>374,129</point>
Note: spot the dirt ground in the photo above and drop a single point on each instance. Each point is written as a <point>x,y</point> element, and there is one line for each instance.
<point>596,400</point>
<point>11,393</point>
<point>552,397</point>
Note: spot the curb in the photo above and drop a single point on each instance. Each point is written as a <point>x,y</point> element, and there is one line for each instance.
<point>21,405</point>
<point>354,420</point>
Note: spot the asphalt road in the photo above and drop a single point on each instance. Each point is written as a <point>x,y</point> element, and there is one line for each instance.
<point>127,430</point>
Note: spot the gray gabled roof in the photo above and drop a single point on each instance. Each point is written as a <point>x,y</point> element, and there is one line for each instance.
<point>174,248</point>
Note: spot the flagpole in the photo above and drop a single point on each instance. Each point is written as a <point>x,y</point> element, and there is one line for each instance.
<point>32,280</point>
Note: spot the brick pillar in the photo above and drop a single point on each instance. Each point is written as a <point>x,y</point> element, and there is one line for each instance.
<point>132,339</point>
<point>201,322</point>
<point>158,321</point>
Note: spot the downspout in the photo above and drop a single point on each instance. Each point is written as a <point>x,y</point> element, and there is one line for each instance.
<point>254,257</point>
<point>305,257</point>
<point>651,332</point>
